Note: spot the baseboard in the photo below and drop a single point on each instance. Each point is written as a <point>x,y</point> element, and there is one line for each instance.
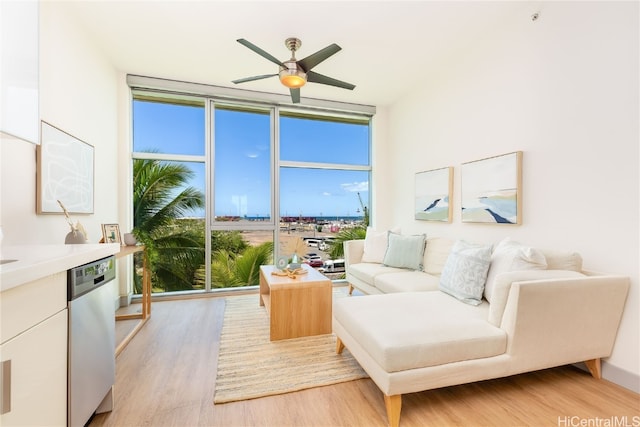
<point>621,377</point>
<point>617,375</point>
<point>125,300</point>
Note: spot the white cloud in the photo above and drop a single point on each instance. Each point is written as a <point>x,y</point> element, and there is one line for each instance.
<point>355,186</point>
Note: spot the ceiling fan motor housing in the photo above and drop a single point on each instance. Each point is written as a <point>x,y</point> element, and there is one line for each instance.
<point>291,75</point>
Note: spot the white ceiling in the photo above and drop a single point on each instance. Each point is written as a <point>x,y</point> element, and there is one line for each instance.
<point>386,45</point>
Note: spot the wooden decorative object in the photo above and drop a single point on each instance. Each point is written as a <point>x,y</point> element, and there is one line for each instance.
<point>290,273</point>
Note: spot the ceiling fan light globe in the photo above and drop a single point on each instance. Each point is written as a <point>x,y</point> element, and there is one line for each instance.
<point>293,78</point>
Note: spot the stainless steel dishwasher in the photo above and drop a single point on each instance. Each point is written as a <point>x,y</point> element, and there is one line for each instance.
<point>91,362</point>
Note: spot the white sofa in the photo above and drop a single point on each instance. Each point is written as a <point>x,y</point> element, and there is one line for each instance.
<point>375,278</point>
<point>409,336</point>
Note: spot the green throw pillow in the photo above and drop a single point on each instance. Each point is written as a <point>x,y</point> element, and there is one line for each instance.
<point>405,251</point>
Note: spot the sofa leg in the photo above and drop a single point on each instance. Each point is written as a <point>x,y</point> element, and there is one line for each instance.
<point>339,346</point>
<point>350,289</point>
<point>594,367</point>
<point>394,405</point>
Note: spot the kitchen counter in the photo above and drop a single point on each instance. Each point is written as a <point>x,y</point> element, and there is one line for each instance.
<point>37,261</point>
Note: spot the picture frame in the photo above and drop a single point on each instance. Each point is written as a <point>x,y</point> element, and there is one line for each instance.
<point>433,190</point>
<point>282,262</point>
<point>491,190</point>
<point>111,233</point>
<point>65,172</point>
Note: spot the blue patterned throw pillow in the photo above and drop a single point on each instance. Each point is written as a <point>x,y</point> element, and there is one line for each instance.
<point>465,272</point>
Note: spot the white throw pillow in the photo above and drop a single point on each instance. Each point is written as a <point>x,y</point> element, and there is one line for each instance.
<point>436,251</point>
<point>562,260</point>
<point>375,245</point>
<point>465,272</point>
<point>405,251</point>
<point>512,256</point>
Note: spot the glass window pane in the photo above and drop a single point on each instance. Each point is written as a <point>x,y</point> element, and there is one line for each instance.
<point>168,214</point>
<point>324,193</point>
<point>242,170</point>
<point>168,128</point>
<point>316,205</point>
<point>321,141</point>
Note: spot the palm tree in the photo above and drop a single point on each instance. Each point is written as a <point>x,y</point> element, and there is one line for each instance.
<point>175,249</point>
<point>337,246</point>
<point>231,269</point>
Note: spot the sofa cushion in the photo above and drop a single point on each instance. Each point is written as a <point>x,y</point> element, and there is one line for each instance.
<point>375,245</point>
<point>428,329</point>
<point>367,271</point>
<point>562,260</point>
<point>405,251</point>
<point>465,272</point>
<point>436,253</point>
<point>510,255</point>
<point>406,281</point>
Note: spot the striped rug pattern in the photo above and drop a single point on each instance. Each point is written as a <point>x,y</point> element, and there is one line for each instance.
<point>251,366</point>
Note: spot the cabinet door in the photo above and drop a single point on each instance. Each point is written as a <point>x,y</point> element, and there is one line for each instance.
<point>19,103</point>
<point>38,377</point>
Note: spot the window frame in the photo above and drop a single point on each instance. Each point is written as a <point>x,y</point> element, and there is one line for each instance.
<point>159,90</point>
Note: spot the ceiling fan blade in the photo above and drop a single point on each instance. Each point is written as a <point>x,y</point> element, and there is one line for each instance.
<point>322,79</point>
<point>295,95</point>
<point>315,58</point>
<point>260,52</point>
<point>250,79</point>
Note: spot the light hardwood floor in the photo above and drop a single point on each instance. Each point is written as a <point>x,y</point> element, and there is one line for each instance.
<point>166,376</point>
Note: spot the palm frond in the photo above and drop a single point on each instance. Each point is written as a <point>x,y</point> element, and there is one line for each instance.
<point>222,269</point>
<point>248,264</point>
<point>355,233</point>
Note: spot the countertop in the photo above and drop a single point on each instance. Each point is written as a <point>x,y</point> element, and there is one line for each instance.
<point>37,261</point>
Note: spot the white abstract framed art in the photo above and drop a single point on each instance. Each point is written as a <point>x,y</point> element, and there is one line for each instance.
<point>433,195</point>
<point>65,172</point>
<point>491,189</point>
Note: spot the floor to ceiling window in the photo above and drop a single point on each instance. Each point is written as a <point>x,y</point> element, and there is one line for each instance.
<point>324,182</point>
<point>169,189</point>
<point>221,187</point>
<point>242,193</point>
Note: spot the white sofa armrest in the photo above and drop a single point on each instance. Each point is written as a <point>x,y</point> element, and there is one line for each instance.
<point>560,321</point>
<point>504,281</point>
<point>353,251</point>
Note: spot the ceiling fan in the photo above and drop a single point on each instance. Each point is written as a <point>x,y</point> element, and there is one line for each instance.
<point>296,73</point>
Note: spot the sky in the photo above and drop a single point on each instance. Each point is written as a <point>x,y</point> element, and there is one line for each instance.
<point>242,159</point>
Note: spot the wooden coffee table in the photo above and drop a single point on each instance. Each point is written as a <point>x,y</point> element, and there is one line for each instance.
<point>297,307</point>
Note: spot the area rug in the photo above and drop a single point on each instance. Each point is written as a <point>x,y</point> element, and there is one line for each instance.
<point>251,366</point>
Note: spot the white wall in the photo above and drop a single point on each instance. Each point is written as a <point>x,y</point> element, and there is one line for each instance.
<point>78,94</point>
<point>564,90</point>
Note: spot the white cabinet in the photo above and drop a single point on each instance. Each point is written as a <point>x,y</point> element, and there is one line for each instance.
<point>33,353</point>
<point>19,74</point>
<point>37,385</point>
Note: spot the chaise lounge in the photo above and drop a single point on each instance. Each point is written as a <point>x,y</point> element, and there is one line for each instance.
<point>527,320</point>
